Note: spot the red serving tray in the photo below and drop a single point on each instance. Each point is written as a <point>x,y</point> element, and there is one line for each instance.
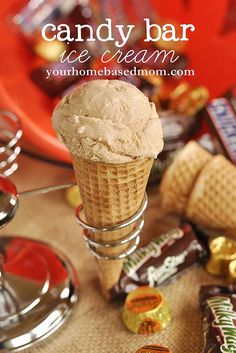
<point>210,53</point>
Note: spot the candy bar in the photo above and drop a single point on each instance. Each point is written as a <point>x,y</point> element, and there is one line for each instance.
<point>163,258</point>
<point>223,251</point>
<point>54,78</point>
<point>189,101</point>
<point>222,120</point>
<point>177,129</point>
<point>218,305</point>
<point>232,272</point>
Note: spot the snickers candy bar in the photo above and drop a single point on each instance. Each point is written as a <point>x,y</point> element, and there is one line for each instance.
<point>160,260</point>
<point>222,120</point>
<point>218,305</point>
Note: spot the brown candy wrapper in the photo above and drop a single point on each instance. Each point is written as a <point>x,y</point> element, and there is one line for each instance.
<point>218,305</point>
<point>159,261</point>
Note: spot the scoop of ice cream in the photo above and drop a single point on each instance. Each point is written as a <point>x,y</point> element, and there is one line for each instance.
<point>108,121</point>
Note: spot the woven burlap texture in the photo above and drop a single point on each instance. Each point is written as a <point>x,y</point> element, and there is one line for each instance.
<point>95,326</point>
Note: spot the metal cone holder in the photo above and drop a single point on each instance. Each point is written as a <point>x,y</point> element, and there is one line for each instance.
<point>38,284</point>
<point>132,238</point>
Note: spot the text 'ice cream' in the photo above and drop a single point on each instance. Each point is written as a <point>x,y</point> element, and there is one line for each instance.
<point>108,121</point>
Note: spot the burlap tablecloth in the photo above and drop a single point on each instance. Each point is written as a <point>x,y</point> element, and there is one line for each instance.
<point>96,326</point>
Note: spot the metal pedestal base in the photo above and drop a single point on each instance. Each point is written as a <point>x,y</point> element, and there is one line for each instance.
<point>38,289</point>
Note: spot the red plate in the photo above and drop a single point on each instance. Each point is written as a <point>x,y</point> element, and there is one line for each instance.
<point>211,54</point>
<point>20,95</point>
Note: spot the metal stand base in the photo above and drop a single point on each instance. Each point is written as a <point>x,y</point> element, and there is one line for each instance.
<point>38,289</point>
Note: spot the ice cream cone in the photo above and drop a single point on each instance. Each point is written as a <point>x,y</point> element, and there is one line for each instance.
<point>111,193</point>
<point>113,134</point>
<point>180,177</point>
<point>212,202</point>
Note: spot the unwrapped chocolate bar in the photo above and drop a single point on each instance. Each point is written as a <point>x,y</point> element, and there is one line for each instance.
<point>160,260</point>
<point>218,305</point>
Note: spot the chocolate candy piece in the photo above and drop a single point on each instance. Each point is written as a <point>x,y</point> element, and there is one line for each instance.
<point>146,311</point>
<point>62,76</point>
<point>222,120</point>
<point>160,260</point>
<point>190,101</point>
<point>223,251</point>
<point>232,271</point>
<point>177,127</point>
<point>153,348</point>
<point>218,305</point>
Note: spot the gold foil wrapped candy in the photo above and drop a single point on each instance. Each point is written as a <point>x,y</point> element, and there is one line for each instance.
<point>146,311</point>
<point>73,197</point>
<point>223,252</point>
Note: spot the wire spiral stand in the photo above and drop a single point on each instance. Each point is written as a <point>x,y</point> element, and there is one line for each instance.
<point>132,239</point>
<point>10,134</point>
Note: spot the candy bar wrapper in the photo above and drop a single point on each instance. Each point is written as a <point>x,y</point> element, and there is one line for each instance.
<point>177,129</point>
<point>222,120</point>
<point>160,260</point>
<point>218,305</point>
<point>56,85</point>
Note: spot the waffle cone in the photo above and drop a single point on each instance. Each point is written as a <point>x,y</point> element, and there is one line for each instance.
<point>180,177</point>
<point>212,203</point>
<point>111,193</point>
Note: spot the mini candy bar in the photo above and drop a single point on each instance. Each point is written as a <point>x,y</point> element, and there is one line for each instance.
<point>146,311</point>
<point>222,120</point>
<point>222,253</point>
<point>163,258</point>
<point>177,127</point>
<point>153,348</point>
<point>190,101</point>
<point>56,84</point>
<point>232,272</point>
<point>218,305</point>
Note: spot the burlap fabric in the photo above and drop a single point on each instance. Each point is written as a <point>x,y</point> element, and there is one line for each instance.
<point>95,326</point>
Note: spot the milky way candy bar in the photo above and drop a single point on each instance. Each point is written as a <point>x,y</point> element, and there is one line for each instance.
<point>218,305</point>
<point>160,260</point>
<point>222,120</point>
